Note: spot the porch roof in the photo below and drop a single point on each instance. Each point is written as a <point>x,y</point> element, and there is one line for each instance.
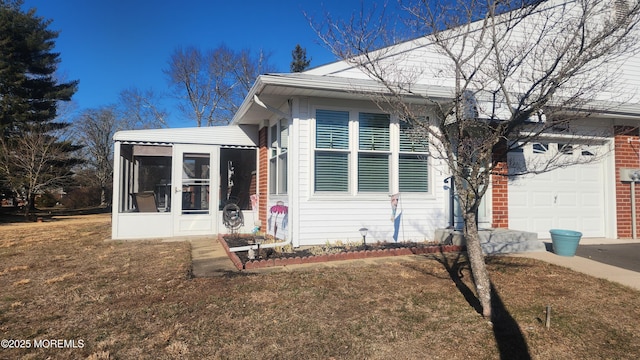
<point>226,136</point>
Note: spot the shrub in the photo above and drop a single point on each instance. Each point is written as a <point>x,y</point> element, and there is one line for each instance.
<point>82,197</point>
<point>46,200</point>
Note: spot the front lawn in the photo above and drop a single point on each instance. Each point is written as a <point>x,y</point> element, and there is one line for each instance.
<point>136,300</point>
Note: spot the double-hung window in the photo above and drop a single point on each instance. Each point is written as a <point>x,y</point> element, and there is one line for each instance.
<point>279,141</point>
<point>373,152</point>
<point>332,151</point>
<point>413,170</point>
<point>368,155</point>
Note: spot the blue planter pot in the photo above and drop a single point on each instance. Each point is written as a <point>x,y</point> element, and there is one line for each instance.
<point>565,242</point>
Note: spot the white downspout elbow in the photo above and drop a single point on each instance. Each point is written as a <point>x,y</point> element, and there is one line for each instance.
<point>256,246</point>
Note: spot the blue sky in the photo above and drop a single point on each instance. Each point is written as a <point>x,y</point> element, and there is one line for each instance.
<point>112,45</point>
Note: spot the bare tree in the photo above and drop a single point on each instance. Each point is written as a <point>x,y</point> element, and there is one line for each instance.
<point>512,71</point>
<point>212,85</point>
<point>95,129</point>
<point>140,110</point>
<point>247,68</point>
<point>40,159</point>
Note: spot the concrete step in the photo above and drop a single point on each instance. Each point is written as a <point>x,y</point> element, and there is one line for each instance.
<point>495,241</point>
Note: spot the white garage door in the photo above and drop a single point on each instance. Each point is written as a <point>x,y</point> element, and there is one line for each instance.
<point>565,198</point>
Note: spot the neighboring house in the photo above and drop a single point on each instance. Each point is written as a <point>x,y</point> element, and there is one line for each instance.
<point>310,158</point>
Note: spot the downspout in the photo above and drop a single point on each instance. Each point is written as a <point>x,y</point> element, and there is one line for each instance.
<point>276,111</point>
<point>261,246</point>
<point>635,176</point>
<point>452,204</point>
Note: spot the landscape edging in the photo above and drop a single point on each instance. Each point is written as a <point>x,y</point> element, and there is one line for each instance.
<point>348,255</point>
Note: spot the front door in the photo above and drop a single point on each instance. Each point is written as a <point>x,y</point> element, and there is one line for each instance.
<point>193,200</point>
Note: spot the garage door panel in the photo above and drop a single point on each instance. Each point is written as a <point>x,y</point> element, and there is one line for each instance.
<point>592,200</point>
<point>566,223</point>
<point>569,176</point>
<point>518,200</point>
<point>542,199</point>
<point>591,174</point>
<point>542,223</point>
<point>544,178</point>
<point>570,198</point>
<point>518,223</point>
<point>589,227</point>
<point>566,199</point>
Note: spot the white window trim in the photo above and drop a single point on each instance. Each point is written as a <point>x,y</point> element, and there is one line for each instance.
<point>353,149</point>
<point>355,140</point>
<point>279,154</point>
<point>398,152</point>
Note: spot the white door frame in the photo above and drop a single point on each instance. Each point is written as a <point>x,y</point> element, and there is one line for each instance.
<point>187,223</point>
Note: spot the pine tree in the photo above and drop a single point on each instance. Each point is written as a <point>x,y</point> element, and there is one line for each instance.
<point>29,97</point>
<point>299,62</point>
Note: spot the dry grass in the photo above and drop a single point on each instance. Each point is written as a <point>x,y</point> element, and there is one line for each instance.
<point>132,300</point>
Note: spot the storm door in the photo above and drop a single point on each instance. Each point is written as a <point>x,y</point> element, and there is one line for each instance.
<point>193,190</point>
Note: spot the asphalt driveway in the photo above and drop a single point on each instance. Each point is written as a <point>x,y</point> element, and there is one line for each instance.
<point>625,256</point>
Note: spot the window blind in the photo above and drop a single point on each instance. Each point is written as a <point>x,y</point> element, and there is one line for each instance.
<point>374,132</point>
<point>373,172</point>
<point>413,173</point>
<point>331,171</point>
<point>411,141</point>
<point>332,129</point>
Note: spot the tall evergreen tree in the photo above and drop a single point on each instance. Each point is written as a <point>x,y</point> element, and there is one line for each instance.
<point>29,96</point>
<point>29,91</point>
<point>299,62</point>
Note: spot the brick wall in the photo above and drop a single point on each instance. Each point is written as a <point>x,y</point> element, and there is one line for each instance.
<point>500,196</point>
<point>263,165</point>
<point>500,188</point>
<point>627,147</point>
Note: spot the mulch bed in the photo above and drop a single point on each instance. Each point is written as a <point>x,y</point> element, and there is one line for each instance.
<point>268,257</point>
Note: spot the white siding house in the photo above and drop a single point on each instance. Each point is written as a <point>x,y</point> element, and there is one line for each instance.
<point>310,158</point>
<point>348,164</point>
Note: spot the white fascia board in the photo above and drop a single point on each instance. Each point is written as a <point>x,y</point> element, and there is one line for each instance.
<point>257,87</point>
<point>609,109</point>
<point>357,87</point>
<point>229,135</point>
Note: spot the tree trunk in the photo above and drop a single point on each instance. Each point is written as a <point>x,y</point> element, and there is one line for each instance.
<point>103,196</point>
<point>478,266</point>
<point>30,206</point>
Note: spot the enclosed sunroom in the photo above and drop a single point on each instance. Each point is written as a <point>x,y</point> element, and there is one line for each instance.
<point>178,182</point>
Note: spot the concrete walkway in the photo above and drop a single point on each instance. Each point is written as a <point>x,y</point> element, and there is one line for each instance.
<point>623,253</point>
<point>209,259</point>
